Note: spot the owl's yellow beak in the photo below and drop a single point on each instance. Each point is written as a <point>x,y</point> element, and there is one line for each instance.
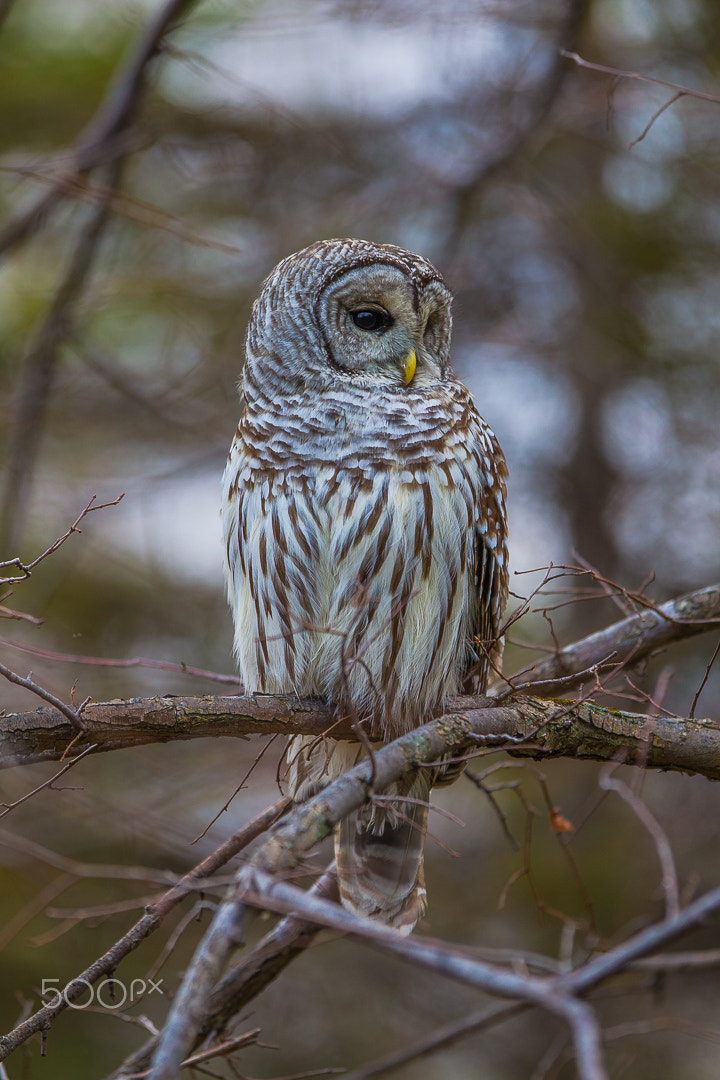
<point>409,366</point>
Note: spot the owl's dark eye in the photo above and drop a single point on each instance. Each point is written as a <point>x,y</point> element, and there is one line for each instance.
<point>371,319</point>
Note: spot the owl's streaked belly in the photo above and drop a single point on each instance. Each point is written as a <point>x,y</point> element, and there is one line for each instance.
<point>353,589</point>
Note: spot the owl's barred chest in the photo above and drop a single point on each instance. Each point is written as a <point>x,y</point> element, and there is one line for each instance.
<point>352,585</point>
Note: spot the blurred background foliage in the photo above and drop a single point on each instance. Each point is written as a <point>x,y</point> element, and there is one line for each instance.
<point>586,270</point>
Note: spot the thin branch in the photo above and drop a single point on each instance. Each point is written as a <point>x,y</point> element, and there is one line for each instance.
<point>655,116</point>
<point>5,808</point>
<point>440,1039</point>
<point>40,369</point>
<point>694,960</point>
<point>248,773</point>
<point>20,616</point>
<point>153,917</point>
<point>633,638</point>
<point>73,715</point>
<point>705,678</point>
<point>131,662</point>
<point>96,144</point>
<point>249,976</point>
<point>619,73</point>
<point>25,569</point>
<point>662,845</point>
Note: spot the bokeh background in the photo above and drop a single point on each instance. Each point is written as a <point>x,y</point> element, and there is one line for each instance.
<point>586,270</point>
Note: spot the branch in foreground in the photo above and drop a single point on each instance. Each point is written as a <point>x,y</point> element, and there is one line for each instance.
<point>268,893</point>
<point>550,993</point>
<point>154,915</point>
<point>280,853</point>
<point>282,849</point>
<point>248,977</point>
<point>555,993</point>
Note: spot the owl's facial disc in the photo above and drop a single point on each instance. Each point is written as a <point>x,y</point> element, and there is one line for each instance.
<point>378,324</point>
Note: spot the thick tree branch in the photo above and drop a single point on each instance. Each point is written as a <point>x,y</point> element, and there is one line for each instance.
<point>550,728</point>
<point>571,729</point>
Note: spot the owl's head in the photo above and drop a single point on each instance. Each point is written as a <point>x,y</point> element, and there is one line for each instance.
<point>350,311</point>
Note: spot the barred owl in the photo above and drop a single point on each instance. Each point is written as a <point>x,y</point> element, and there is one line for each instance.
<point>365,532</point>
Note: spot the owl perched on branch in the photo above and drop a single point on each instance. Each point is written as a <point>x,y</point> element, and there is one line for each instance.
<point>365,531</point>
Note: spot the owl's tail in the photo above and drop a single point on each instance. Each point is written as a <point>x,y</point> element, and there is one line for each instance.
<point>380,864</point>
<point>378,850</point>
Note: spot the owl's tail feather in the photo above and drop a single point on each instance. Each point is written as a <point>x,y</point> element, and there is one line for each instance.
<point>379,850</point>
<point>380,865</point>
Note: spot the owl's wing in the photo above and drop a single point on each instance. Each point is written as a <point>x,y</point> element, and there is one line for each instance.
<point>491,568</point>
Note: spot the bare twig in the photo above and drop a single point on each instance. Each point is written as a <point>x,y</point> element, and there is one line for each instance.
<point>21,616</point>
<point>24,570</point>
<point>73,715</point>
<point>633,638</point>
<point>153,917</point>
<point>608,782</point>
<point>239,788</point>
<point>96,144</point>
<point>130,662</point>
<point>655,116</point>
<point>619,73</point>
<point>705,678</point>
<point>7,807</point>
<point>249,976</point>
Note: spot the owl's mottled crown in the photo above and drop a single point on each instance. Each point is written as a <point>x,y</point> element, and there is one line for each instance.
<point>315,266</point>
